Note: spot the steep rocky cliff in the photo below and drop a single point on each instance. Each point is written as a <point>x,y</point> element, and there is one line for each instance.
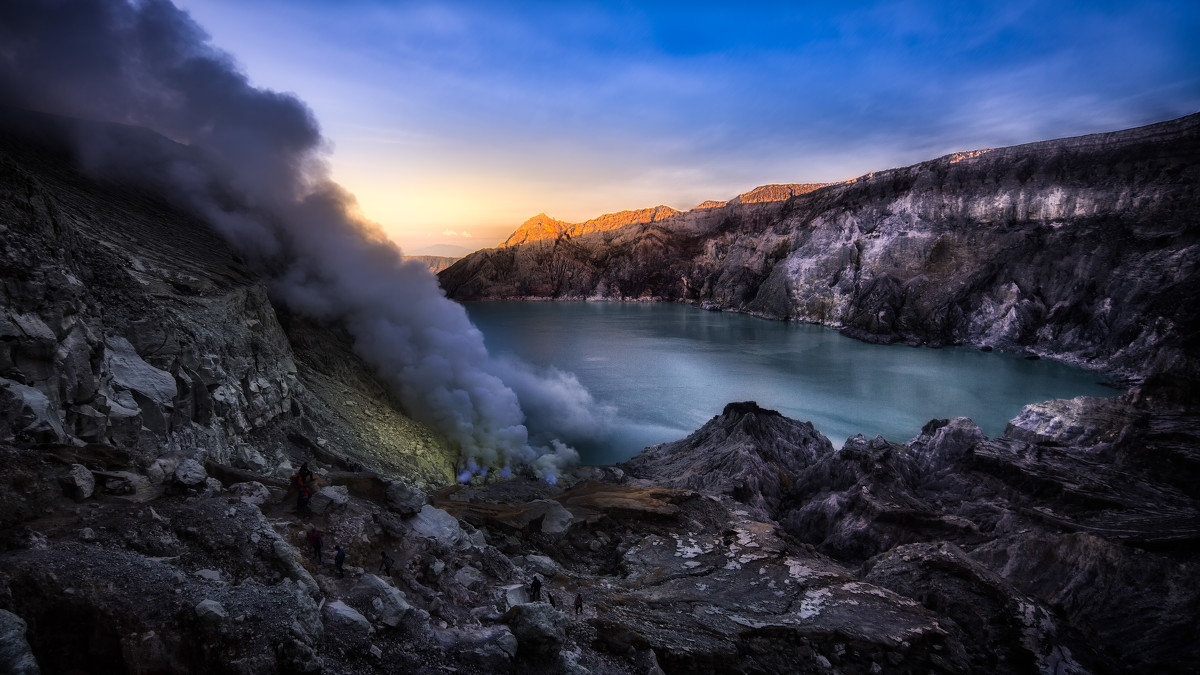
<point>1082,248</point>
<point>127,322</point>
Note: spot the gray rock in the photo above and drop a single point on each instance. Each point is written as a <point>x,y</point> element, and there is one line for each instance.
<point>435,523</point>
<point>27,413</point>
<point>210,611</point>
<point>190,473</point>
<point>79,484</point>
<point>543,565</point>
<point>345,619</point>
<point>329,498</point>
<point>15,655</point>
<point>251,492</point>
<point>388,603</point>
<point>130,371</point>
<point>405,500</point>
<point>469,577</point>
<point>539,628</point>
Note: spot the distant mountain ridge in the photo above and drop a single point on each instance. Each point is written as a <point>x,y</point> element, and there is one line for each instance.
<point>543,226</point>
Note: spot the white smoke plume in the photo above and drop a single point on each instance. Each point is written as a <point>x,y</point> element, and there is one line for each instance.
<point>255,166</point>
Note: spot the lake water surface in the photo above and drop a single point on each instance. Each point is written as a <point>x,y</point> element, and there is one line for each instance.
<point>669,368</point>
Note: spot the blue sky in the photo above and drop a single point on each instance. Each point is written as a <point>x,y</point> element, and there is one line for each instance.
<point>455,121</point>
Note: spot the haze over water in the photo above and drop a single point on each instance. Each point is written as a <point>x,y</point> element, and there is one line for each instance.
<point>669,368</point>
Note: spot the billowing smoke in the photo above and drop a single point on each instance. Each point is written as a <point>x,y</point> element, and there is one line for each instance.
<point>255,167</point>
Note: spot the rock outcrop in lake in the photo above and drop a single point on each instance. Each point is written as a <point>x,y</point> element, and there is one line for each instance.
<point>1082,248</point>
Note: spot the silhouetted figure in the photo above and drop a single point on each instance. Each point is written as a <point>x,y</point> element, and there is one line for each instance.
<point>302,501</point>
<point>550,597</point>
<point>339,560</point>
<point>385,563</point>
<point>578,603</point>
<point>535,589</point>
<point>306,474</point>
<point>315,540</point>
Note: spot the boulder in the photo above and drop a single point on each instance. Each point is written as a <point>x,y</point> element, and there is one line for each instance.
<point>191,473</point>
<point>27,414</point>
<point>251,492</point>
<point>435,523</point>
<point>539,628</point>
<point>15,655</point>
<point>543,565</point>
<point>388,603</point>
<point>210,611</point>
<point>405,500</point>
<point>79,484</point>
<point>347,622</point>
<point>329,498</point>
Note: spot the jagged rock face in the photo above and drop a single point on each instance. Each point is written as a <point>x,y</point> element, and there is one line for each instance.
<point>750,454</point>
<point>1062,547</point>
<point>1082,248</point>
<point>126,321</point>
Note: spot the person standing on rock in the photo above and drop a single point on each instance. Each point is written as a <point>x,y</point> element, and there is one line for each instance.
<point>535,589</point>
<point>385,563</point>
<point>339,560</point>
<point>306,474</point>
<point>578,604</point>
<point>315,540</point>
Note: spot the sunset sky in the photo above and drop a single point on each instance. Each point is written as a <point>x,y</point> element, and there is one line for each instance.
<point>453,122</point>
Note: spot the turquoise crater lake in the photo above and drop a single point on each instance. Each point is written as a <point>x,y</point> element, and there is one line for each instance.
<point>669,368</point>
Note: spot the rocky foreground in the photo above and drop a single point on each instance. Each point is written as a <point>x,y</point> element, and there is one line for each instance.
<point>1067,546</point>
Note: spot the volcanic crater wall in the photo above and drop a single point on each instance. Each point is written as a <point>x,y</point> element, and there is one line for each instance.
<point>1083,249</point>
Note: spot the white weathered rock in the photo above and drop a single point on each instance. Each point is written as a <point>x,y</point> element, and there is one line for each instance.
<point>251,492</point>
<point>435,523</point>
<point>130,372</point>
<point>190,473</point>
<point>329,498</point>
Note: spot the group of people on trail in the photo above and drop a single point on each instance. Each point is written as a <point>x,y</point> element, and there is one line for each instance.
<point>316,540</point>
<point>535,595</point>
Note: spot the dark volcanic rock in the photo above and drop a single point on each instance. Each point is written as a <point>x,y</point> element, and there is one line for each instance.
<point>747,453</point>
